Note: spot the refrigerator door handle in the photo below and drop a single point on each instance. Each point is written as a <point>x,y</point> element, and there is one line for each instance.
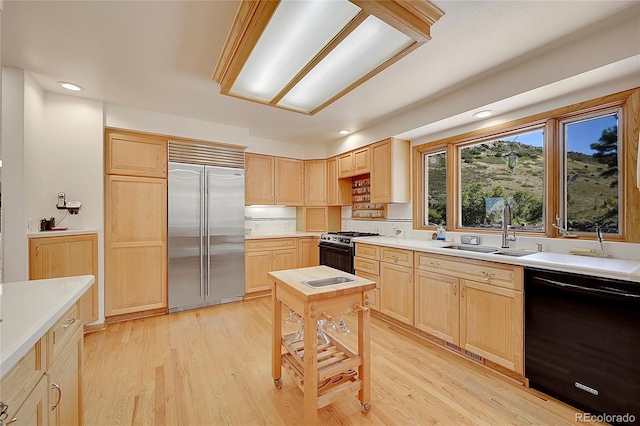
<point>202,216</point>
<point>208,234</point>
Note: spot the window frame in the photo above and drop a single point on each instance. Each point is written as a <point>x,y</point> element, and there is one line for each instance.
<point>628,105</point>
<point>424,206</point>
<point>492,137</point>
<point>562,157</point>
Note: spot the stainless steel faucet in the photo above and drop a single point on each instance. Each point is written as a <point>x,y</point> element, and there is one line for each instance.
<point>506,222</point>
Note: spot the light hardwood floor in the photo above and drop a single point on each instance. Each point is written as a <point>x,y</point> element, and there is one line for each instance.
<point>212,366</point>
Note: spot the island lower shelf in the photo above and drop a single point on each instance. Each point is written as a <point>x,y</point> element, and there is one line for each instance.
<point>337,373</point>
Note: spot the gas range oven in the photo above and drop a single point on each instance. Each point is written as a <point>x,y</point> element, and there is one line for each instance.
<point>338,248</point>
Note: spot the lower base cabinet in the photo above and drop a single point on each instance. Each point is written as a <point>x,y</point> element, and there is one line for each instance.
<point>475,305</point>
<point>264,256</point>
<point>65,385</point>
<point>491,323</point>
<point>437,306</point>
<point>308,252</point>
<point>34,410</point>
<point>396,292</point>
<point>45,386</point>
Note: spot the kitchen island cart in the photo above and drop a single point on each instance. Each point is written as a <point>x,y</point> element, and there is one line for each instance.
<point>330,370</point>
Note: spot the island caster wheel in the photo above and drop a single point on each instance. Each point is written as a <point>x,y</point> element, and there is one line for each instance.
<point>366,407</point>
<point>277,383</point>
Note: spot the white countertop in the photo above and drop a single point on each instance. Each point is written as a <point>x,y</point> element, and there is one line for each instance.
<point>600,267</point>
<point>40,234</point>
<point>297,234</point>
<point>29,308</point>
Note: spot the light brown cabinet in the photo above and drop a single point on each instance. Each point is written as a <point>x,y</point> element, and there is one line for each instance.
<point>65,385</point>
<point>475,305</point>
<point>135,245</point>
<point>338,190</point>
<point>491,323</point>
<point>273,180</point>
<point>437,309</point>
<point>66,256</point>
<point>396,292</point>
<point>21,388</point>
<point>390,171</point>
<point>265,255</point>
<point>315,183</point>
<point>135,224</point>
<point>45,386</point>
<point>308,252</point>
<point>33,411</point>
<point>354,163</point>
<point>367,265</point>
<point>129,154</point>
<point>318,219</point>
<point>258,179</point>
<point>289,178</point>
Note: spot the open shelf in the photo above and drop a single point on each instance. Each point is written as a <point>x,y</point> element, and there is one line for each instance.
<point>361,205</point>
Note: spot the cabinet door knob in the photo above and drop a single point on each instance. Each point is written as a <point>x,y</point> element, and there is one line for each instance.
<point>455,290</point>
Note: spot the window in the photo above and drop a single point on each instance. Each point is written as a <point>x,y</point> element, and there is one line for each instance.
<point>592,173</point>
<point>572,169</point>
<point>435,188</point>
<point>500,171</point>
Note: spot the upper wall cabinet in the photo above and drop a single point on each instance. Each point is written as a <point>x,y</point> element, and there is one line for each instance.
<point>390,172</point>
<point>258,179</point>
<point>338,190</point>
<point>289,182</point>
<point>315,183</point>
<point>131,155</point>
<point>273,180</point>
<point>354,163</point>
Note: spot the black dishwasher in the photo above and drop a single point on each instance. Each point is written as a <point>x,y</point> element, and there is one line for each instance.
<point>582,341</point>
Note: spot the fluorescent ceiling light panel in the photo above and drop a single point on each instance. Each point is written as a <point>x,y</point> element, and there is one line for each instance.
<point>302,55</point>
<point>297,32</point>
<point>370,45</point>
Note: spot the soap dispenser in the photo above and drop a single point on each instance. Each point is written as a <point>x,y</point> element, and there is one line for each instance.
<point>440,233</point>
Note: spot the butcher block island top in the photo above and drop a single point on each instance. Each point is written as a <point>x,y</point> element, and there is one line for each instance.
<point>294,280</point>
<point>322,366</point>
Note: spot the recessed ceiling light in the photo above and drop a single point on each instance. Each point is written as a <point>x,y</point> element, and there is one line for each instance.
<point>483,114</point>
<point>70,86</point>
<point>344,131</point>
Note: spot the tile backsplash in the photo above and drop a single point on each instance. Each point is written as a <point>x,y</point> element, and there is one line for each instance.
<point>269,220</point>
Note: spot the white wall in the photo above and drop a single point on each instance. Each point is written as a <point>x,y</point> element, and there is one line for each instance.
<point>66,155</point>
<point>163,124</point>
<point>14,225</point>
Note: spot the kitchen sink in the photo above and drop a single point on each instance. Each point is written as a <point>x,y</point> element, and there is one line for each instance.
<point>489,250</point>
<point>477,249</point>
<point>321,282</point>
<point>513,253</point>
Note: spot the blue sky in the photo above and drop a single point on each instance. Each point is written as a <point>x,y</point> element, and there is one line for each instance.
<point>581,134</point>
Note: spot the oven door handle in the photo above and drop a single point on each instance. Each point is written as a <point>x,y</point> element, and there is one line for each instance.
<point>335,247</point>
<point>609,291</point>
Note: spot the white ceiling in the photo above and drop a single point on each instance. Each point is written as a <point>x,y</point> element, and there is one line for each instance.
<point>160,55</point>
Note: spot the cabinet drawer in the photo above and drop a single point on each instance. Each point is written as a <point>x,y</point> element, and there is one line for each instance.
<point>271,244</point>
<point>61,332</point>
<point>23,377</point>
<point>397,256</point>
<point>368,251</point>
<point>368,266</point>
<point>480,271</point>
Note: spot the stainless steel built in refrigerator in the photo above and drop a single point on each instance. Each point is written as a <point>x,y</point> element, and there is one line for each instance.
<point>206,235</point>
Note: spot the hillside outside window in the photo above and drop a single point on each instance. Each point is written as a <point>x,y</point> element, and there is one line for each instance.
<point>591,155</point>
<point>435,187</point>
<point>494,172</point>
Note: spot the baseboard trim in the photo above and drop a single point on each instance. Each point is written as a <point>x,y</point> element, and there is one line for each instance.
<point>136,315</point>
